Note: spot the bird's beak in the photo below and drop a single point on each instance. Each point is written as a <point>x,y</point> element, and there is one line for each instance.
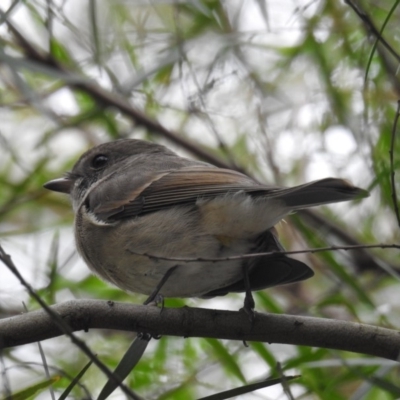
<point>63,185</point>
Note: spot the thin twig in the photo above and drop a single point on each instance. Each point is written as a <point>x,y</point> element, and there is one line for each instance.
<point>392,173</point>
<point>3,373</point>
<point>380,44</point>
<point>63,326</point>
<point>44,361</point>
<point>368,22</point>
<point>285,385</point>
<point>375,45</point>
<point>362,258</point>
<point>107,99</point>
<point>270,253</point>
<point>5,15</point>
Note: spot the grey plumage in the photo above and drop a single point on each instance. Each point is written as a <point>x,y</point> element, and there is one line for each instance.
<point>133,197</point>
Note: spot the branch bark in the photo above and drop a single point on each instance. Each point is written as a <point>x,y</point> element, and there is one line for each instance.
<point>197,322</point>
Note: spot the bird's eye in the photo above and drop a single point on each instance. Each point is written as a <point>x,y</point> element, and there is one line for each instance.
<point>99,161</point>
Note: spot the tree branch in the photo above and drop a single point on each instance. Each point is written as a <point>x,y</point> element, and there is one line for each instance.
<point>197,322</point>
<point>363,259</point>
<point>106,99</point>
<point>62,326</point>
<point>270,253</point>
<point>392,168</point>
<point>382,46</point>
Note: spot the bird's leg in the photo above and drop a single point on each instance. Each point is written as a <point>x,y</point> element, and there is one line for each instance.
<point>154,295</point>
<point>249,304</point>
<point>139,345</point>
<point>154,298</point>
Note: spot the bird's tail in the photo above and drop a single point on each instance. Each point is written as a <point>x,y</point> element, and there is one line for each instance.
<point>324,191</point>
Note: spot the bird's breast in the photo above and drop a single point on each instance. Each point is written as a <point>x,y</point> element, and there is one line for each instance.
<point>135,253</point>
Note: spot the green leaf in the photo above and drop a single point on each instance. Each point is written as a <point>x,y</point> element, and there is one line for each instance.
<point>60,52</point>
<point>75,381</point>
<point>228,394</point>
<point>32,390</point>
<point>126,365</point>
<point>226,359</point>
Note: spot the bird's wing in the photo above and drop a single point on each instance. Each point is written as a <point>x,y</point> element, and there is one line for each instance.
<point>267,271</point>
<point>124,197</point>
<point>165,189</point>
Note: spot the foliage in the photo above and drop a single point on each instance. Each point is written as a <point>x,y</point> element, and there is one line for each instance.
<point>287,93</point>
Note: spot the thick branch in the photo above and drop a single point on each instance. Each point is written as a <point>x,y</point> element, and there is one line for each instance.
<point>196,322</point>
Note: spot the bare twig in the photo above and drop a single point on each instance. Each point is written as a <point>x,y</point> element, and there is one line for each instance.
<point>61,325</point>
<point>363,259</point>
<point>5,15</point>
<point>285,385</point>
<point>107,99</point>
<point>4,377</point>
<point>44,361</point>
<point>271,253</point>
<point>392,173</point>
<point>380,44</point>
<point>198,322</point>
<point>371,26</point>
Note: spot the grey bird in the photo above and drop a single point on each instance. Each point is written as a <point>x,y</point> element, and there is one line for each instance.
<point>137,205</point>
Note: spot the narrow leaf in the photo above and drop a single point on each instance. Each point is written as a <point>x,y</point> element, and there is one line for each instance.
<point>126,365</point>
<point>228,394</point>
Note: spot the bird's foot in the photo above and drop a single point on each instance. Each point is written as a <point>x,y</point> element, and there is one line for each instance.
<point>248,307</point>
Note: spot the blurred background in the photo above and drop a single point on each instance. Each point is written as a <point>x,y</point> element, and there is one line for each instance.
<point>287,91</point>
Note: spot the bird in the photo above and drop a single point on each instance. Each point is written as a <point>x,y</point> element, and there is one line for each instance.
<point>147,219</point>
